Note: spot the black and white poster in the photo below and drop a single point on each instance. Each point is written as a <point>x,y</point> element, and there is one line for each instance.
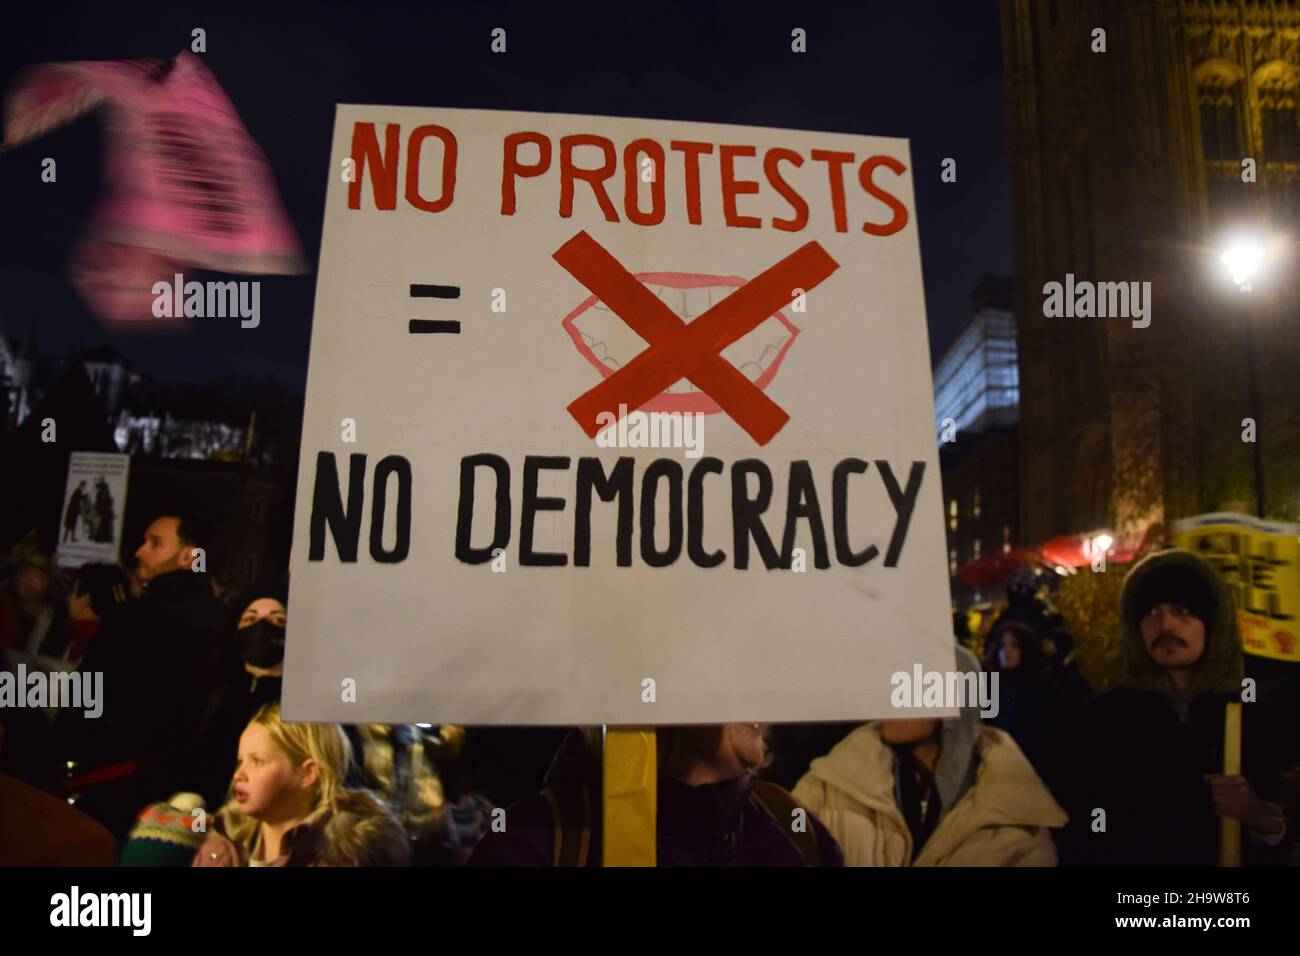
<point>93,505</point>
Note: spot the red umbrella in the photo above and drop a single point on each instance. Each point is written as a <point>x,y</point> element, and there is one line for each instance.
<point>993,570</point>
<point>1071,550</point>
<point>1065,550</point>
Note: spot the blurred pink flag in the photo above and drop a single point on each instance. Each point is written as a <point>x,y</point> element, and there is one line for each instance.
<point>186,184</point>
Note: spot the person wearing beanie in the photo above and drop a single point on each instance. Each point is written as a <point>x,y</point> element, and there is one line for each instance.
<point>1145,782</point>
<point>932,792</point>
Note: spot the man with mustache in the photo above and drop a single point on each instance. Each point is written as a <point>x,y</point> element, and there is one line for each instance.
<point>1149,753</point>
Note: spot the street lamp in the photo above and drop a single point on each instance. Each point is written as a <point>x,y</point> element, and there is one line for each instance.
<point>1245,260</point>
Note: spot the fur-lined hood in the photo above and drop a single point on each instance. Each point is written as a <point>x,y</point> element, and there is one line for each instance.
<point>1220,669</point>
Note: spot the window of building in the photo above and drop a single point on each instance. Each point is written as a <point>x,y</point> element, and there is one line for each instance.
<point>1279,122</point>
<point>975,504</point>
<point>952,515</point>
<point>977,549</point>
<point>1006,539</point>
<point>952,562</point>
<point>1219,128</point>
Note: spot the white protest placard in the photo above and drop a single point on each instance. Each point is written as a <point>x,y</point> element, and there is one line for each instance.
<point>94,505</point>
<point>512,311</point>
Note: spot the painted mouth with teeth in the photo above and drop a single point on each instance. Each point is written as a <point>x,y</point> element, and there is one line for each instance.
<point>609,343</point>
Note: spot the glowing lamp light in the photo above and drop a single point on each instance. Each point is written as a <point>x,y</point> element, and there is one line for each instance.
<point>1244,262</point>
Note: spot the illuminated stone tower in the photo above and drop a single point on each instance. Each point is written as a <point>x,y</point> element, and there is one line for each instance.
<point>1127,165</point>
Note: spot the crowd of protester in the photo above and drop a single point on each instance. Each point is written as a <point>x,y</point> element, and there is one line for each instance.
<point>193,765</point>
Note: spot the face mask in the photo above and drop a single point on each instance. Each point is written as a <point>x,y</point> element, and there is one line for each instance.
<point>261,644</point>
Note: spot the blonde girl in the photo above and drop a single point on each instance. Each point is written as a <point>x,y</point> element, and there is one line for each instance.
<point>288,804</point>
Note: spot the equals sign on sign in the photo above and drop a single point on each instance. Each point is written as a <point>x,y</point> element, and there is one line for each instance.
<point>434,292</point>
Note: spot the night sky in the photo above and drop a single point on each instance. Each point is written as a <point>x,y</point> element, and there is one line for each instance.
<point>927,70</point>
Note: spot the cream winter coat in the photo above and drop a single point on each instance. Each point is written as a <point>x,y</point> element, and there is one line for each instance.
<point>1003,819</point>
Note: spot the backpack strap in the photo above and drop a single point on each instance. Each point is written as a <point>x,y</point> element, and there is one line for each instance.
<point>570,805</point>
<point>780,805</point>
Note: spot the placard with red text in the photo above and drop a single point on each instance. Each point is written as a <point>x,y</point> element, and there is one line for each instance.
<point>614,421</point>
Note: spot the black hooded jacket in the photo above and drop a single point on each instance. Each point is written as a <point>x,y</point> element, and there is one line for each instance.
<point>1134,758</point>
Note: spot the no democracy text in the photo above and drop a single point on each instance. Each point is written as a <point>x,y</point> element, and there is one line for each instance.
<point>338,514</point>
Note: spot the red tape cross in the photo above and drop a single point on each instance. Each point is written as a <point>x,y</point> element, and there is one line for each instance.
<point>678,350</point>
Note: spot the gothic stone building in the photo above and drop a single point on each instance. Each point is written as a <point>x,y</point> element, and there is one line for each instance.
<point>1128,165</point>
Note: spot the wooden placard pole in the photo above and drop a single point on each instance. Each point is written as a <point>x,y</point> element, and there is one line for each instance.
<point>1230,830</point>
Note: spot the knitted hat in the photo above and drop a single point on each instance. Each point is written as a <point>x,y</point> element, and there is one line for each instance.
<point>164,834</point>
<point>1176,584</point>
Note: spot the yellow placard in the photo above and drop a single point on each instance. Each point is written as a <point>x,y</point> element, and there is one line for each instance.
<point>1260,563</point>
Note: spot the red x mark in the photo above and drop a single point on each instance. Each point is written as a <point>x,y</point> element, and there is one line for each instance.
<point>678,350</point>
